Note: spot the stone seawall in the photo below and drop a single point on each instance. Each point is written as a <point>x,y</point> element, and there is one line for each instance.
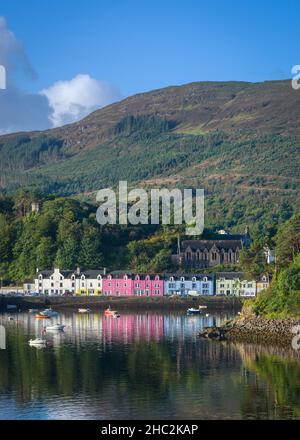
<point>168,303</point>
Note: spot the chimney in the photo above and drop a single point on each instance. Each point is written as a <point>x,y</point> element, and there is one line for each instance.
<point>178,245</point>
<point>104,270</point>
<point>37,270</point>
<point>78,270</point>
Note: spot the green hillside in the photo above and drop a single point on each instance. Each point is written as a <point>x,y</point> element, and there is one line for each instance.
<point>238,141</point>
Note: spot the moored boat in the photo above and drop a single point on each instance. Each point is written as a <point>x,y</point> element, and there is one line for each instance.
<point>38,342</point>
<point>49,312</point>
<point>84,310</point>
<point>55,327</point>
<point>193,311</point>
<point>41,316</point>
<point>111,313</point>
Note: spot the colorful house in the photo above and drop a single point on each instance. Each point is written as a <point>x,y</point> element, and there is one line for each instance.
<point>125,283</point>
<point>234,284</point>
<point>183,285</point>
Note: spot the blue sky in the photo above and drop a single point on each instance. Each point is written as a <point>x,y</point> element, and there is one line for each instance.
<point>141,45</point>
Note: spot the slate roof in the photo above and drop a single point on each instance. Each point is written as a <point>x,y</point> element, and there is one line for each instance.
<point>208,244</point>
<point>187,277</point>
<point>230,275</point>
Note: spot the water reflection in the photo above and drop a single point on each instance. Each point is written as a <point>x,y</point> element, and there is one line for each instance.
<point>142,365</point>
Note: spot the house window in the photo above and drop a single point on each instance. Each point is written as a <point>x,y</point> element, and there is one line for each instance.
<point>214,256</point>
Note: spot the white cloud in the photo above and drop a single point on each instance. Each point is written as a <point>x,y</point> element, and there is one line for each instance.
<point>61,103</point>
<point>12,52</point>
<point>19,110</point>
<point>72,100</point>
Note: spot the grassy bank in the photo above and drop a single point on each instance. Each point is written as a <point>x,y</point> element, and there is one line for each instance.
<point>175,303</point>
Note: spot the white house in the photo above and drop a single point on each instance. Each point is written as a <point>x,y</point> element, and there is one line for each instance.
<point>62,282</point>
<point>185,284</point>
<point>269,255</point>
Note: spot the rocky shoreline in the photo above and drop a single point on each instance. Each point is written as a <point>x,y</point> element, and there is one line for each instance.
<point>255,329</point>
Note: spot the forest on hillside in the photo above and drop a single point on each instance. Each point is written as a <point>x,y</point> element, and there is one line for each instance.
<point>65,233</point>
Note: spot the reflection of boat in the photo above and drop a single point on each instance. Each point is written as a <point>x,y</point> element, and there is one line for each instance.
<point>193,311</point>
<point>87,310</point>
<point>10,318</point>
<point>49,312</point>
<point>40,316</point>
<point>193,293</point>
<point>111,313</point>
<point>55,327</point>
<point>37,341</point>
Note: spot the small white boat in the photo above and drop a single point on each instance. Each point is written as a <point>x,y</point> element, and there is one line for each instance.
<point>55,327</point>
<point>193,311</point>
<point>87,310</point>
<point>37,341</point>
<point>49,312</point>
<point>33,311</point>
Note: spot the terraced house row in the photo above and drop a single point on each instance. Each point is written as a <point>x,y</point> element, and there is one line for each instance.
<point>126,283</point>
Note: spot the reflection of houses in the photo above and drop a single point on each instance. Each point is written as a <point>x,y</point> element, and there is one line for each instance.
<point>133,327</point>
<point>234,284</point>
<point>185,284</point>
<point>120,283</point>
<point>60,282</point>
<point>209,253</point>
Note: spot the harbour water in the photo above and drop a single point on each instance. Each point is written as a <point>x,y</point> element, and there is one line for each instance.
<point>150,365</point>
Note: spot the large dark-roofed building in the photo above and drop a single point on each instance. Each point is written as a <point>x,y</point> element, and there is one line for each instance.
<point>203,254</point>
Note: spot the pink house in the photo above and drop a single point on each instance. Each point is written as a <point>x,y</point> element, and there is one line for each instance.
<point>129,284</point>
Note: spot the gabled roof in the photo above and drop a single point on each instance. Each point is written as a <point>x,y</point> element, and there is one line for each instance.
<point>209,244</point>
<point>230,275</point>
<point>187,277</point>
<point>93,273</point>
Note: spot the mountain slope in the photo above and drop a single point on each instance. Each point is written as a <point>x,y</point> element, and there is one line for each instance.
<point>240,141</point>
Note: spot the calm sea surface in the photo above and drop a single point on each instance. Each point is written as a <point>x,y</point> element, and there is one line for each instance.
<point>141,366</point>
